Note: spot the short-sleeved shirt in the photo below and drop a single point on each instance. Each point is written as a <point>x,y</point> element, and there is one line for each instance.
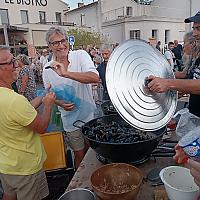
<point>80,61</point>
<point>178,51</point>
<point>21,149</point>
<point>169,56</point>
<point>30,91</point>
<point>44,60</point>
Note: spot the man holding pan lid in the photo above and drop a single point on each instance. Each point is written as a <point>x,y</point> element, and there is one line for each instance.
<point>192,85</point>
<point>188,86</point>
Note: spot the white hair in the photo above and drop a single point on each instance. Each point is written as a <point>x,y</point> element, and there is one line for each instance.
<point>53,30</point>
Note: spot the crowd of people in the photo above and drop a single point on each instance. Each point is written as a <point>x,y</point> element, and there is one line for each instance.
<point>174,54</point>
<point>21,151</point>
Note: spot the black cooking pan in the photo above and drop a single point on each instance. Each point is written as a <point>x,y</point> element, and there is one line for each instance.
<point>121,152</point>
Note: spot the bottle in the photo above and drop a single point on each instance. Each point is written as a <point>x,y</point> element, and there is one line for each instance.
<point>191,144</point>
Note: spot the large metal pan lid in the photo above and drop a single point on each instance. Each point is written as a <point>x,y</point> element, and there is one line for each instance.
<point>126,71</point>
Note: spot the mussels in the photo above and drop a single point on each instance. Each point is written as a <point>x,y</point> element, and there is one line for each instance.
<point>113,132</point>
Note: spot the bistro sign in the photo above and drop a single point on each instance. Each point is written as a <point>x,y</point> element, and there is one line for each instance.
<point>28,2</point>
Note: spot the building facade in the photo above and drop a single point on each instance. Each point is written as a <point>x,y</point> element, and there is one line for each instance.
<point>122,20</point>
<point>25,22</point>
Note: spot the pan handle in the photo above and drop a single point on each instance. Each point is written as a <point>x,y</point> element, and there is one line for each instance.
<point>147,81</point>
<point>75,124</point>
<point>162,154</point>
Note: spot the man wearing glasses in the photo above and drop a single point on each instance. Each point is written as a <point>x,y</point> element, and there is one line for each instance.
<point>184,85</point>
<point>188,86</point>
<point>21,151</point>
<point>75,69</point>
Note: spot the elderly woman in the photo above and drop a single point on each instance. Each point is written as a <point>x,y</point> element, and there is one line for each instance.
<point>25,80</point>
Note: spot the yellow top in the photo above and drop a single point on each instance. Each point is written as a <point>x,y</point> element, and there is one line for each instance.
<point>21,149</point>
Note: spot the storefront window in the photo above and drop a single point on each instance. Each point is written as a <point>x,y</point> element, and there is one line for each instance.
<point>24,16</point>
<point>129,11</point>
<point>167,36</point>
<point>4,16</point>
<point>58,17</point>
<point>154,34</point>
<point>134,34</point>
<point>42,15</point>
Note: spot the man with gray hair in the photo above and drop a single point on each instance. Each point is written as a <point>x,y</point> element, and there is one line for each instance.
<point>75,69</point>
<point>106,51</point>
<point>191,85</point>
<point>188,86</point>
<point>21,150</point>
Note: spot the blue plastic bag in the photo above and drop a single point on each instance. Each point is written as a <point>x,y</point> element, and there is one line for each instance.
<point>68,94</point>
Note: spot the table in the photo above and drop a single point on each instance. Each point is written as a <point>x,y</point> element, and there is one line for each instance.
<point>90,163</point>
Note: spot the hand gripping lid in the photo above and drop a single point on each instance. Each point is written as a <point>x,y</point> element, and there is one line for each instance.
<point>128,67</point>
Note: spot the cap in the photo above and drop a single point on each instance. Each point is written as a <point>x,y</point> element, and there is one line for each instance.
<point>195,18</point>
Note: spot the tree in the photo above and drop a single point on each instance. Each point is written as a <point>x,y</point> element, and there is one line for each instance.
<point>84,38</point>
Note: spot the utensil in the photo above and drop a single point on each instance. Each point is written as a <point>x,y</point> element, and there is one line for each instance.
<point>78,194</point>
<point>49,67</point>
<point>120,152</point>
<point>179,183</point>
<point>117,181</point>
<point>126,78</point>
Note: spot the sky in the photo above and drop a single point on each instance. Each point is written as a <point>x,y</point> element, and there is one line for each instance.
<point>73,3</point>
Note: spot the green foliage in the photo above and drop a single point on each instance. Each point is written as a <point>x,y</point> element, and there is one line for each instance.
<point>84,38</point>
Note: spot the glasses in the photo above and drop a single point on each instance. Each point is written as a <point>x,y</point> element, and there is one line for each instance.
<point>13,62</point>
<point>196,28</point>
<point>57,43</point>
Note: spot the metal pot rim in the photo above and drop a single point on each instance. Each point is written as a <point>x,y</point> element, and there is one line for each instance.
<point>78,189</point>
<point>117,144</point>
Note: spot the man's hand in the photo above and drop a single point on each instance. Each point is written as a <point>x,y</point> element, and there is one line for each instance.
<point>180,156</point>
<point>195,170</point>
<point>49,99</point>
<point>157,84</point>
<point>59,68</point>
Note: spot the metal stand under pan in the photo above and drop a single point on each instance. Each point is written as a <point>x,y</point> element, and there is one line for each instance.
<point>164,150</point>
<point>109,161</point>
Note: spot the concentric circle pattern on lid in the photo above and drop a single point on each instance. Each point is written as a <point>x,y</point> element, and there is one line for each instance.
<point>127,69</point>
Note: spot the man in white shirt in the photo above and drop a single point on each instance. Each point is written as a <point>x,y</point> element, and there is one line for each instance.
<point>75,69</point>
<point>169,55</point>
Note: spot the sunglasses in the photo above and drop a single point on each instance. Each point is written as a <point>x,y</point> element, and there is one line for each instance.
<point>13,61</point>
<point>57,43</point>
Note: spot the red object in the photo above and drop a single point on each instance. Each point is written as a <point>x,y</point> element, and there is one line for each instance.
<point>172,125</point>
<point>185,160</point>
